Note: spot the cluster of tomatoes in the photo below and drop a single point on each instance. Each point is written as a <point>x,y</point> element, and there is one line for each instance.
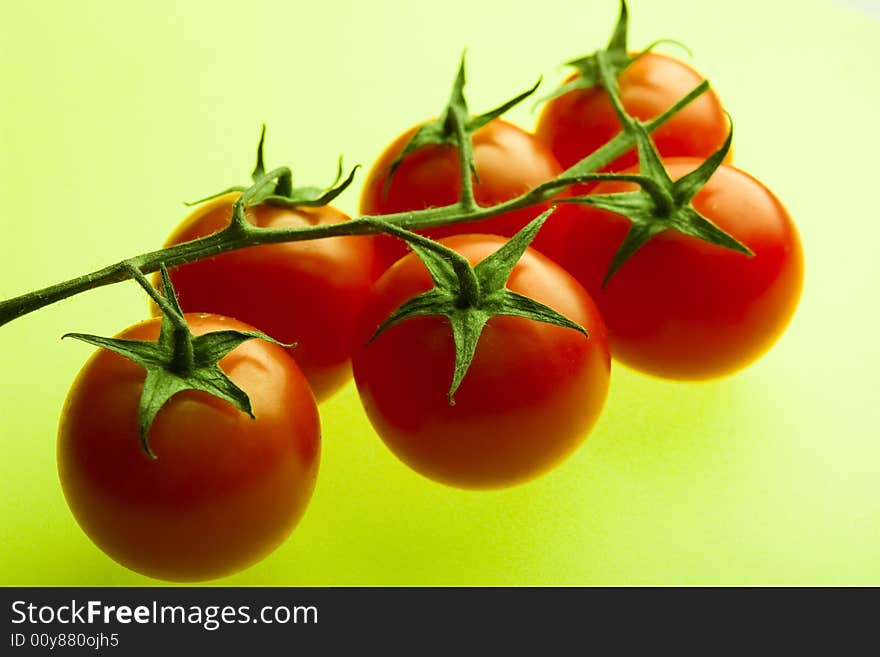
<point>224,490</point>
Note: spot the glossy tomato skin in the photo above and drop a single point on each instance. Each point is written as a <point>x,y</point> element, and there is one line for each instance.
<point>509,161</point>
<point>579,122</point>
<point>225,489</point>
<point>529,399</point>
<point>681,308</point>
<point>309,293</point>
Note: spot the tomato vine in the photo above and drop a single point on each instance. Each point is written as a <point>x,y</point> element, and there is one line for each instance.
<point>535,387</point>
<point>659,205</point>
<point>241,234</point>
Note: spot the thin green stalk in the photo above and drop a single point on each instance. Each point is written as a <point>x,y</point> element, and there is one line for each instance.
<point>183,356</point>
<point>234,237</point>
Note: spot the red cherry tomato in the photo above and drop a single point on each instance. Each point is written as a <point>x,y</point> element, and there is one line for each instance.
<point>529,399</point>
<point>682,308</point>
<point>224,491</point>
<point>308,292</point>
<point>509,162</point>
<point>577,123</point>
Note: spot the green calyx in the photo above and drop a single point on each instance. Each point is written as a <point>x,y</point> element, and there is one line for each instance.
<point>178,360</point>
<point>660,204</point>
<point>470,296</point>
<point>588,66</point>
<point>616,55</point>
<point>275,187</point>
<point>456,125</point>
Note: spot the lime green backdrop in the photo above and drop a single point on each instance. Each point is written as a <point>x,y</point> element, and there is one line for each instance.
<point>113,113</point>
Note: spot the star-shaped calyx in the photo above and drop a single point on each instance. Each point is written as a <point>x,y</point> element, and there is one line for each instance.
<point>469,296</point>
<point>275,187</point>
<point>661,203</point>
<point>455,124</point>
<point>178,360</point>
<point>616,54</point>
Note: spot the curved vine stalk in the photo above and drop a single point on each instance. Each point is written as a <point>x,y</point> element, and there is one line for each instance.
<point>241,234</point>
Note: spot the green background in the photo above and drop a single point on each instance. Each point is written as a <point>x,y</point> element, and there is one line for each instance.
<point>114,112</point>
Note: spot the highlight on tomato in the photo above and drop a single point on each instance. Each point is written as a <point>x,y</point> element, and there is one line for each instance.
<point>192,488</point>
<point>533,389</point>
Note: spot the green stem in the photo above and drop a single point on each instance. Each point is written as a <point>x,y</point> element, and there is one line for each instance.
<point>465,154</point>
<point>153,293</point>
<point>233,237</point>
<point>468,284</point>
<point>622,142</point>
<point>282,174</point>
<point>660,195</point>
<point>183,360</point>
<point>609,81</point>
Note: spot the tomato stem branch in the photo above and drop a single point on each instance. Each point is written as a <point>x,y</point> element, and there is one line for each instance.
<point>465,157</point>
<point>183,357</point>
<point>153,293</point>
<point>241,234</point>
<point>660,195</point>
